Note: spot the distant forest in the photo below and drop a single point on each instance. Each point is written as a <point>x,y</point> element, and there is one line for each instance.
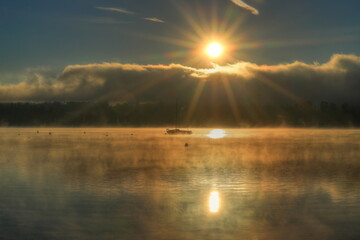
<point>144,114</point>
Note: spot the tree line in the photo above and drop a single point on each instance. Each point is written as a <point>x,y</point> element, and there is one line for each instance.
<point>184,114</point>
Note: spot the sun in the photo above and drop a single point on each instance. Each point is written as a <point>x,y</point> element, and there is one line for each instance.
<point>214,50</point>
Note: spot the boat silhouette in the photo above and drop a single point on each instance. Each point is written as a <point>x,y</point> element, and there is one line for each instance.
<point>177,131</point>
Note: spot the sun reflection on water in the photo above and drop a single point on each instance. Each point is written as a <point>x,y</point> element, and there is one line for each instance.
<point>217,133</point>
<point>214,202</point>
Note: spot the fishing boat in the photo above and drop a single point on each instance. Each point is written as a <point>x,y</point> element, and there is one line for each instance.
<point>177,131</point>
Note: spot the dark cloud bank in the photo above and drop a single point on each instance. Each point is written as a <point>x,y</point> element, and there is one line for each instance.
<point>337,80</point>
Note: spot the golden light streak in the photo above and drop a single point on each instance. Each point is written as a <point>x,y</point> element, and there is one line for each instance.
<point>214,202</point>
<point>280,89</point>
<point>231,98</point>
<point>217,133</point>
<point>195,101</point>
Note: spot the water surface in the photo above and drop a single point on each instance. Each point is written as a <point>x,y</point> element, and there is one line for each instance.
<point>142,184</point>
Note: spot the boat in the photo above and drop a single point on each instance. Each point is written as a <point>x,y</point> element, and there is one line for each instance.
<point>177,131</point>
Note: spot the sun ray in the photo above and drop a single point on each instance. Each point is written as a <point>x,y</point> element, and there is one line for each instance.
<point>186,13</point>
<point>214,17</point>
<point>280,89</point>
<point>194,102</point>
<point>231,98</point>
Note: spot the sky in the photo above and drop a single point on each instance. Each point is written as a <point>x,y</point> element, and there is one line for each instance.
<point>42,40</point>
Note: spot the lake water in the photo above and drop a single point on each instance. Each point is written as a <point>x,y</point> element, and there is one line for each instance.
<point>250,184</point>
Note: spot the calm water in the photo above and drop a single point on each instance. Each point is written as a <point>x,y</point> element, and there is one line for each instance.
<point>142,184</point>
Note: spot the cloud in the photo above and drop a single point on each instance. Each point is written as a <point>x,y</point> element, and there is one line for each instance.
<point>240,3</point>
<point>103,20</point>
<point>153,19</point>
<point>338,80</point>
<point>119,10</point>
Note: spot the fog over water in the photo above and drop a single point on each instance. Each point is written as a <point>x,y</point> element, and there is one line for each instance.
<point>99,183</point>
